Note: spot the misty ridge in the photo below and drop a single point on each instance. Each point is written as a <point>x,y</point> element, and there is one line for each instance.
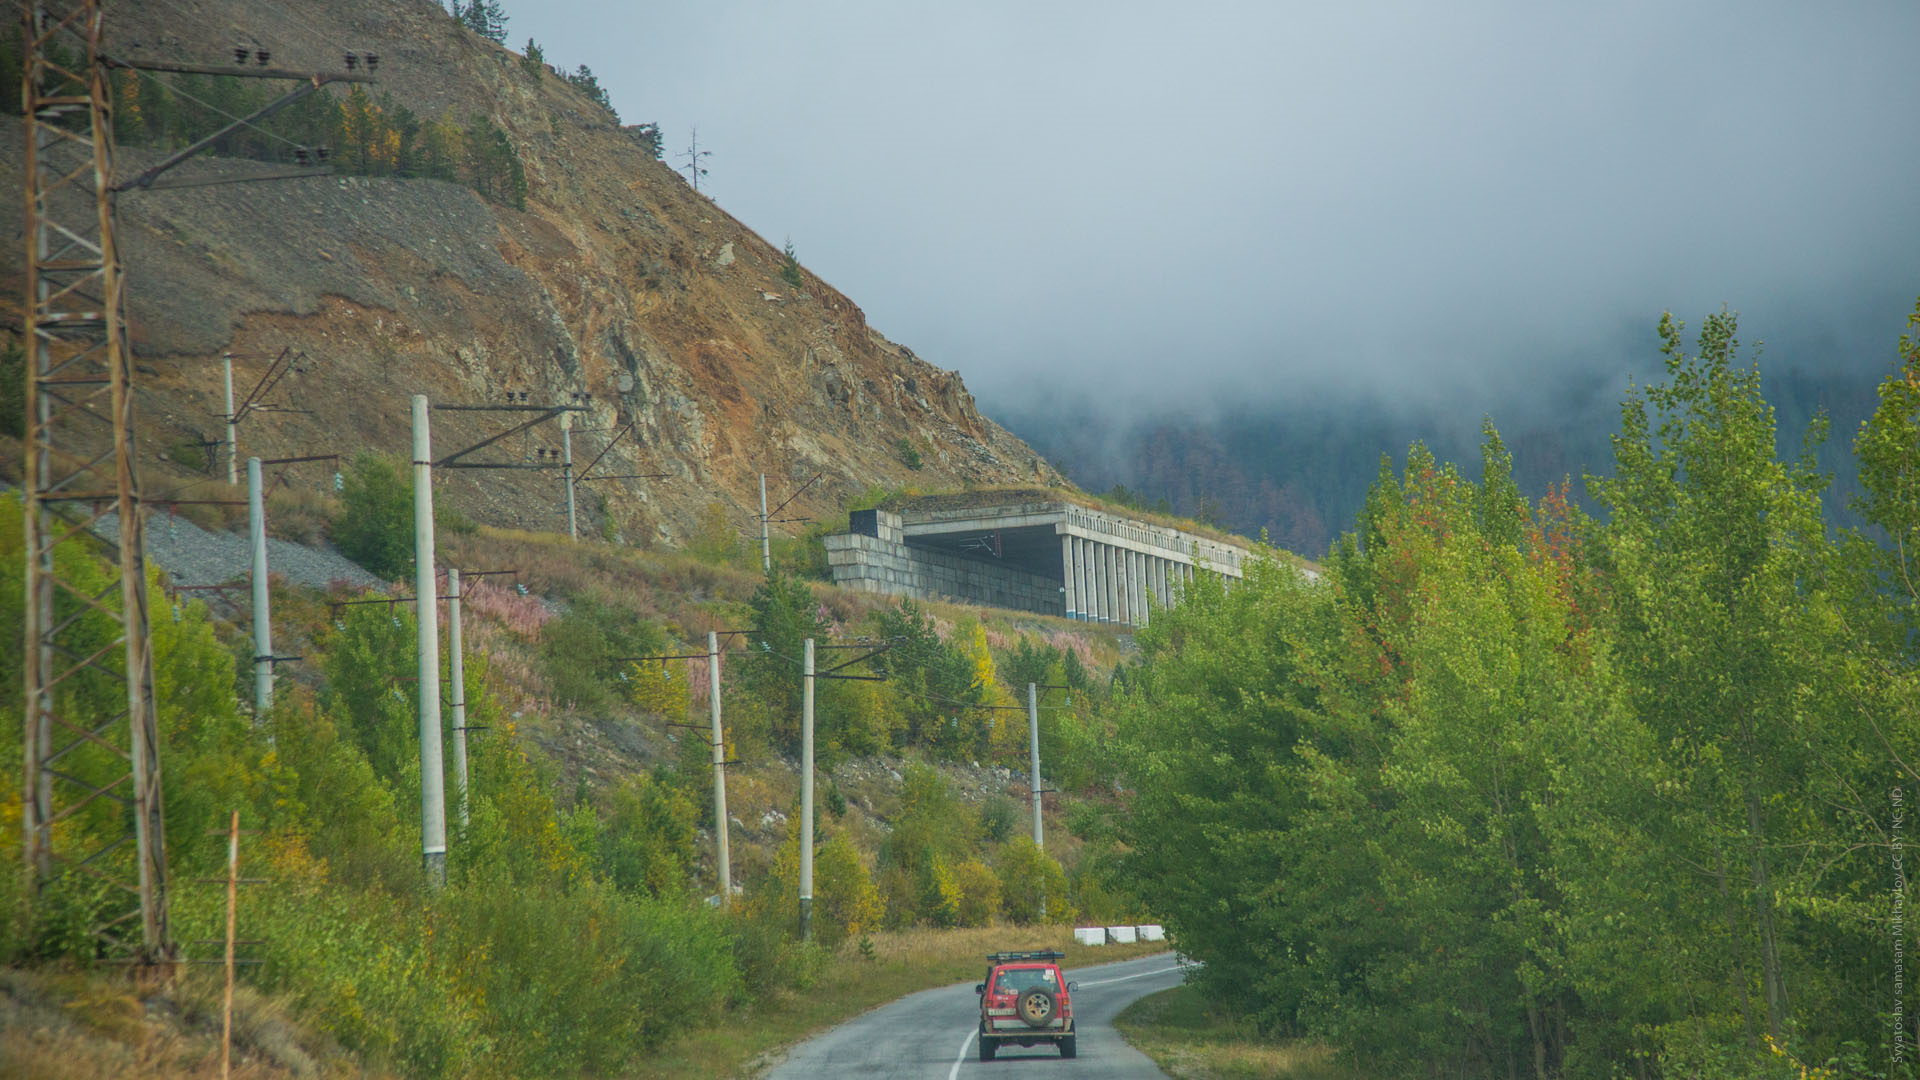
<point>1299,469</point>
<point>1236,253</point>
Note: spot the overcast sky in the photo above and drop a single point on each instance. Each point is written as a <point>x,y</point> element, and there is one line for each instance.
<point>1175,202</point>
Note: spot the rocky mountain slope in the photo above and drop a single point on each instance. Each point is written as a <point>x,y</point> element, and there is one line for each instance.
<point>618,281</point>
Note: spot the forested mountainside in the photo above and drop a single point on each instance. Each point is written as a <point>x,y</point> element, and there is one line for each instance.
<point>1300,469</point>
<point>491,229</point>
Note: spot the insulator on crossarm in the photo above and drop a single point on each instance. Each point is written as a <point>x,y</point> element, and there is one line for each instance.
<point>353,61</point>
<point>373,61</point>
<point>261,56</point>
<point>321,153</point>
<point>240,53</point>
<point>300,155</point>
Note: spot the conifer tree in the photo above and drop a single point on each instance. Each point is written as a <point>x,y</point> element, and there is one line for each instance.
<point>488,18</point>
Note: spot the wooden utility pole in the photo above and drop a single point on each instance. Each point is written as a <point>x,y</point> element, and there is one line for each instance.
<point>233,903</point>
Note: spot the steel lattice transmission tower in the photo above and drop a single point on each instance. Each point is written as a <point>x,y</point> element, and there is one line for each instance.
<point>89,774</point>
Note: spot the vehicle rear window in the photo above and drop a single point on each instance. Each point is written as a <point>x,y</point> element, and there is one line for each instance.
<point>1018,979</point>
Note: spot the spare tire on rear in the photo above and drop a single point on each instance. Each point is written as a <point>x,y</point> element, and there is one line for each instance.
<point>1037,1006</point>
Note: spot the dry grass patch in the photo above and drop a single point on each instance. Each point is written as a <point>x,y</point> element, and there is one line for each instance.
<point>300,514</point>
<point>58,1025</point>
<point>1191,1041</point>
<point>892,965</point>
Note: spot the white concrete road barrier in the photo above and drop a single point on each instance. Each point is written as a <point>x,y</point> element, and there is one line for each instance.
<point>1090,935</point>
<point>1151,932</point>
<point>1121,935</point>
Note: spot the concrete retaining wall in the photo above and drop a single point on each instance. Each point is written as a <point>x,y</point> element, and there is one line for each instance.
<point>883,565</point>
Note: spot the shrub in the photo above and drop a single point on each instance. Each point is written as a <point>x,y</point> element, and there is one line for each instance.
<point>582,981</point>
<point>846,903</point>
<point>932,822</point>
<point>715,540</point>
<point>647,842</point>
<point>979,893</point>
<point>579,652</point>
<point>999,817</point>
<point>448,521</point>
<point>854,717</point>
<point>298,514</point>
<point>909,454</point>
<point>654,687</point>
<point>194,454</point>
<point>368,661</point>
<point>322,788</point>
<point>375,526</point>
<point>1034,887</point>
<point>939,892</point>
<point>767,956</point>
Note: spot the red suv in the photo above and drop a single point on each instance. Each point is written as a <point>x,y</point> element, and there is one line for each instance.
<point>1025,1001</point>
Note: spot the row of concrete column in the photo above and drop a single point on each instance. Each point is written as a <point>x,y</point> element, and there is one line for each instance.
<point>1107,583</point>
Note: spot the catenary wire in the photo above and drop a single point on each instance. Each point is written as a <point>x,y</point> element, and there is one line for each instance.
<point>170,88</point>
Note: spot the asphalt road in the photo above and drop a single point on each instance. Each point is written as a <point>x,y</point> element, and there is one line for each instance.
<point>931,1035</point>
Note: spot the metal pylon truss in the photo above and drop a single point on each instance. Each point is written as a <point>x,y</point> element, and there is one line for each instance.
<point>92,807</point>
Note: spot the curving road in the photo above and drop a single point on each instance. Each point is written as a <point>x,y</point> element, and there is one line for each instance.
<point>931,1035</point>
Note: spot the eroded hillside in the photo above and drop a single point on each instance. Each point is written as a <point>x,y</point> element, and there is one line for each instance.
<point>617,281</point>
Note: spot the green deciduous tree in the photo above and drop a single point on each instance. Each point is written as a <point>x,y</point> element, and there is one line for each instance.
<point>1033,887</point>
<point>647,837</point>
<point>375,524</point>
<point>1510,790</point>
<point>1718,554</point>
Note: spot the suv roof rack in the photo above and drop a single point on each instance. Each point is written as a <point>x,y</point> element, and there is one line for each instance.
<point>1011,957</point>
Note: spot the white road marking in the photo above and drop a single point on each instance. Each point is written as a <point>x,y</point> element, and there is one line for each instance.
<point>1125,978</point>
<point>953,1073</point>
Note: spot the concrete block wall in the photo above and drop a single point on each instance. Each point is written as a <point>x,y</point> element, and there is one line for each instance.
<point>882,565</point>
